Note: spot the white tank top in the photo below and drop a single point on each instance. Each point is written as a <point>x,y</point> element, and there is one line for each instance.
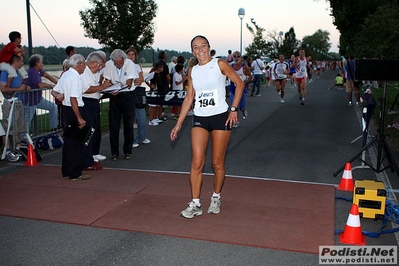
<point>280,69</point>
<point>209,85</point>
<point>240,72</point>
<point>301,71</point>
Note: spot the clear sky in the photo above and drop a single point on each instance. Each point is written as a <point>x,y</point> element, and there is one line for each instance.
<point>176,22</point>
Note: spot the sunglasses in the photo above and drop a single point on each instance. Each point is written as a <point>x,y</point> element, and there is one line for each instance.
<point>236,55</point>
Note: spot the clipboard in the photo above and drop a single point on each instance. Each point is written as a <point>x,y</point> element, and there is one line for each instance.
<point>116,88</point>
<point>124,88</point>
<point>83,135</point>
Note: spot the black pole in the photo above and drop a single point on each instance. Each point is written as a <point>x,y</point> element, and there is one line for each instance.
<point>153,59</point>
<point>30,49</point>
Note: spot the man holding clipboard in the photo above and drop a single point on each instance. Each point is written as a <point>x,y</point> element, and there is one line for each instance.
<point>92,88</point>
<point>121,72</point>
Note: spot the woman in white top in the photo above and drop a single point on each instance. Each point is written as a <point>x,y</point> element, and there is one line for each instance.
<point>206,84</point>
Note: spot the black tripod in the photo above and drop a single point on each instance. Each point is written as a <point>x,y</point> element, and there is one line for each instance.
<point>383,148</point>
<point>395,102</point>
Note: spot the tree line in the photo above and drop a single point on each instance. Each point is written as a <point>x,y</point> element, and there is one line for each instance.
<point>53,55</point>
<point>368,28</point>
<point>273,44</point>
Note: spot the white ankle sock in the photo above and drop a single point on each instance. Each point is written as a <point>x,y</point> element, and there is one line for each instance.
<point>197,202</point>
<point>216,195</point>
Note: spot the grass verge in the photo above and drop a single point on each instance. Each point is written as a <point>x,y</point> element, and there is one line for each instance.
<point>391,112</point>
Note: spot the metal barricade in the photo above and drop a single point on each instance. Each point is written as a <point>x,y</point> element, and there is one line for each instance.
<point>13,122</point>
<point>42,113</point>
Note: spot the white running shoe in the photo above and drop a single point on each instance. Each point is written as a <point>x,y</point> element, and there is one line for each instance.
<point>146,141</point>
<point>214,207</point>
<point>191,211</point>
<point>282,101</point>
<point>135,145</point>
<point>99,157</point>
<point>245,114</point>
<point>12,156</point>
<point>158,120</point>
<point>153,122</point>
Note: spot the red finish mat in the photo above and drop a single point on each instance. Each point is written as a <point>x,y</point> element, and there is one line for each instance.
<point>260,213</point>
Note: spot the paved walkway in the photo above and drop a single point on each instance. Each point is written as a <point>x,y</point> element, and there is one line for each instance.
<point>289,142</point>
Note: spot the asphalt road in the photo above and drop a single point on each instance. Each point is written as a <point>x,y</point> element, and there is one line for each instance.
<point>278,141</point>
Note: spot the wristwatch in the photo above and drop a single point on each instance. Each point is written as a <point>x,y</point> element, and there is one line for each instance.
<point>233,109</point>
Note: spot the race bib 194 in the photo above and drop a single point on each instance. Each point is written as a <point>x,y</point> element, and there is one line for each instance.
<point>207,99</point>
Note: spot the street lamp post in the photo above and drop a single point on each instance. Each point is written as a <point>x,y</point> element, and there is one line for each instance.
<point>241,14</point>
<point>280,34</point>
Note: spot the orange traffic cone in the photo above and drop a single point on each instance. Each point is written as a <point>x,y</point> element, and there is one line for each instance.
<point>346,180</point>
<point>31,156</point>
<point>353,230</point>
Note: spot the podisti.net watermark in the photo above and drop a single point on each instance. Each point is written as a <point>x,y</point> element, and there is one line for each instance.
<point>358,255</point>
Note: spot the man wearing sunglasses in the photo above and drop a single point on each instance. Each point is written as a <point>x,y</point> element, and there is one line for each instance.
<point>244,73</point>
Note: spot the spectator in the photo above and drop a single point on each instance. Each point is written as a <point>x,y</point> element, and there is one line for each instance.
<point>154,81</point>
<point>229,57</point>
<point>163,56</point>
<point>257,66</point>
<point>181,60</point>
<point>192,62</point>
<point>352,87</point>
<point>178,81</point>
<point>141,136</point>
<point>166,79</point>
<point>12,48</point>
<point>13,93</point>
<point>339,81</point>
<point>34,99</point>
<point>70,51</point>
<point>172,64</point>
